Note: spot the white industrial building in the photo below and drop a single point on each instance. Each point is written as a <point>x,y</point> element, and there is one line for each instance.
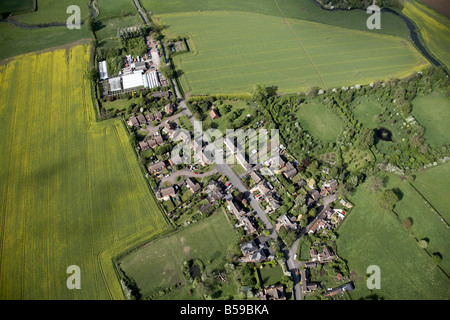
<point>133,80</point>
<point>103,70</point>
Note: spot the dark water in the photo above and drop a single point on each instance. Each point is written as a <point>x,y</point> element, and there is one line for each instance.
<point>384,134</point>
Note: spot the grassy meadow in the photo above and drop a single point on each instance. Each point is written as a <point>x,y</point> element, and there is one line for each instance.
<point>319,121</point>
<point>369,236</point>
<point>231,51</point>
<point>15,7</point>
<point>71,189</point>
<point>157,265</point>
<point>432,111</point>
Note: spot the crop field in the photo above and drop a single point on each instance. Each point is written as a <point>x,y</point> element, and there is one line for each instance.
<point>232,51</point>
<point>369,236</point>
<point>16,6</point>
<point>433,112</point>
<point>434,28</point>
<point>295,9</point>
<point>71,189</point>
<point>157,265</point>
<point>319,121</point>
<point>116,8</point>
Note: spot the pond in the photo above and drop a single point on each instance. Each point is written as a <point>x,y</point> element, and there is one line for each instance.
<point>384,134</point>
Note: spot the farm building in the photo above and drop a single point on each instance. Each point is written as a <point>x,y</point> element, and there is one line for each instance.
<point>133,80</point>
<point>103,70</point>
<point>151,80</point>
<point>115,84</point>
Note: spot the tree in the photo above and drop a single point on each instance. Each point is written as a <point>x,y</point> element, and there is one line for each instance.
<point>407,223</point>
<point>423,243</point>
<point>436,258</point>
<point>300,200</point>
<point>167,72</point>
<point>387,200</point>
<point>374,184</point>
<point>366,138</point>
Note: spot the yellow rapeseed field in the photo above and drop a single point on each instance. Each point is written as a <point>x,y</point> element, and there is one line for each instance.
<point>71,191</point>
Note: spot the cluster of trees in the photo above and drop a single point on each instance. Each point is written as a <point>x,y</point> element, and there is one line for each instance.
<point>362,4</point>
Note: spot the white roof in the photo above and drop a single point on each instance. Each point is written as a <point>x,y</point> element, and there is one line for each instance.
<point>103,70</point>
<point>132,81</point>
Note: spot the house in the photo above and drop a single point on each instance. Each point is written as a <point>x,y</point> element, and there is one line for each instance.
<point>175,160</point>
<point>203,209</point>
<point>133,122</point>
<point>273,292</point>
<point>166,193</point>
<point>149,117</point>
<point>262,188</point>
<point>235,209</point>
<point>164,94</point>
<point>214,114</point>
<point>306,285</point>
<point>255,176</point>
<point>159,140</point>
<point>314,194</point>
<point>193,186</point>
<point>257,256</point>
<point>157,167</point>
<point>248,247</point>
<point>214,192</point>
<point>167,127</point>
<point>324,256</point>
<point>141,119</point>
<point>290,173</point>
<point>144,145</point>
<point>169,109</point>
<point>329,187</point>
<point>158,116</point>
<point>301,183</point>
<point>287,222</point>
<point>249,226</point>
<point>152,143</point>
<point>275,162</point>
<point>345,287</point>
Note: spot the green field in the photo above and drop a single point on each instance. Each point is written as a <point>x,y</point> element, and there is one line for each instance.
<point>255,48</point>
<point>116,8</point>
<point>53,11</point>
<point>71,189</point>
<point>16,40</point>
<point>295,9</point>
<point>319,121</point>
<point>369,236</point>
<point>106,28</point>
<point>434,186</point>
<point>158,265</point>
<point>15,7</point>
<point>433,112</point>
